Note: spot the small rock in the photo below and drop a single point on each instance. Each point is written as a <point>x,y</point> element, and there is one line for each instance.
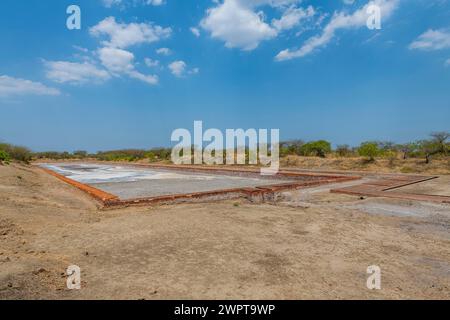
<point>40,270</point>
<point>86,253</point>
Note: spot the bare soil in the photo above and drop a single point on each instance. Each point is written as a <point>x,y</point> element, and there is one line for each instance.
<point>310,245</point>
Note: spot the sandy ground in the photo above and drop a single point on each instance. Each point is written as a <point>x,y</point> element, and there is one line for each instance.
<point>439,186</point>
<point>312,244</point>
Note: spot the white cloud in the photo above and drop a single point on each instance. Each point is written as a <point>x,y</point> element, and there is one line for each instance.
<point>10,86</point>
<point>194,71</point>
<point>195,31</point>
<point>155,2</point>
<point>110,3</point>
<point>119,61</point>
<point>116,60</point>
<point>340,20</point>
<point>177,68</point>
<point>151,63</point>
<point>122,35</point>
<point>447,63</point>
<point>241,23</point>
<point>432,40</point>
<point>75,73</point>
<point>164,51</point>
<point>238,25</point>
<point>292,17</point>
<point>81,49</point>
<point>150,79</point>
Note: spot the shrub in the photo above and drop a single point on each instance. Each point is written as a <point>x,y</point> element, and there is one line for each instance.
<point>4,157</point>
<point>408,149</point>
<point>121,155</point>
<point>16,152</point>
<point>440,139</point>
<point>80,154</point>
<point>343,150</point>
<point>429,148</point>
<point>369,150</point>
<point>316,148</point>
<point>291,147</point>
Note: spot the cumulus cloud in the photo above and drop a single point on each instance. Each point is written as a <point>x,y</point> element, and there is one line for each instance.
<point>122,35</point>
<point>242,24</point>
<point>116,60</point>
<point>195,31</point>
<point>155,2</point>
<point>178,68</point>
<point>110,3</point>
<point>432,40</point>
<point>292,17</point>
<point>164,51</point>
<point>238,25</point>
<point>339,20</point>
<point>74,73</point>
<point>151,63</point>
<point>119,61</point>
<point>10,86</point>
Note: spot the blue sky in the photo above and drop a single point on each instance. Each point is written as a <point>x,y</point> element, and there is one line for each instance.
<point>139,69</point>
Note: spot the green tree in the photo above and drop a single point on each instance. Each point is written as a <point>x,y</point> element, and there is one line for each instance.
<point>317,148</point>
<point>429,148</point>
<point>81,154</point>
<point>343,150</point>
<point>408,149</point>
<point>369,150</point>
<point>291,147</point>
<point>440,138</point>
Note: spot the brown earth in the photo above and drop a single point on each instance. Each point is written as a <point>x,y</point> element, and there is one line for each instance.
<point>311,244</point>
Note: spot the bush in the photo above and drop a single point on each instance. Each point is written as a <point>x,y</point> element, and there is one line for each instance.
<point>4,157</point>
<point>369,150</point>
<point>316,148</point>
<point>121,155</point>
<point>429,148</point>
<point>292,147</point>
<point>343,150</point>
<point>16,152</point>
<point>80,154</point>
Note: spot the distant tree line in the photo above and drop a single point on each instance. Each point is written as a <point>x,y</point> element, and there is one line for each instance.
<point>436,145</point>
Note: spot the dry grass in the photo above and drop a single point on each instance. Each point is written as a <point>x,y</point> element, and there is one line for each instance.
<point>392,165</point>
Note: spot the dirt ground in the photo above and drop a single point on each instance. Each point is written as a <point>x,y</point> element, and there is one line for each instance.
<point>310,245</point>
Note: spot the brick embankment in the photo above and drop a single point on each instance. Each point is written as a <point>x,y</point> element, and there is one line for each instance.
<point>257,194</point>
